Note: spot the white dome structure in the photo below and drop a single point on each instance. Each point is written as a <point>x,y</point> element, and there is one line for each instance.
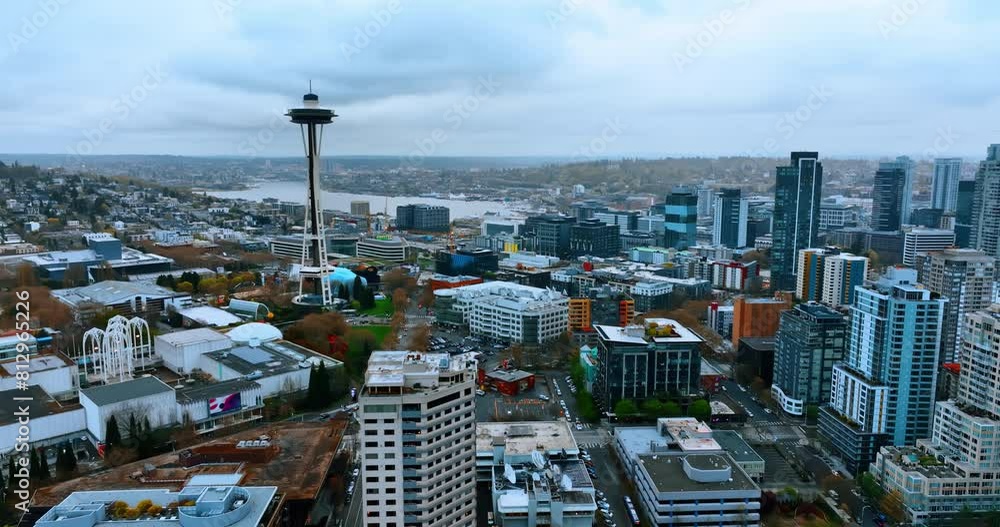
<point>254,334</point>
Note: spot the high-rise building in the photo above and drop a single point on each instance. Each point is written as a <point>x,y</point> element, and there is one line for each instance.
<point>955,471</point>
<point>706,202</point>
<point>421,217</point>
<point>729,227</point>
<point>841,274</point>
<point>811,339</point>
<point>963,213</point>
<point>883,392</point>
<point>681,219</point>
<point>963,276</point>
<point>809,279</point>
<point>944,186</point>
<point>887,197</point>
<point>418,439</point>
<point>920,241</point>
<point>594,238</point>
<point>907,165</point>
<point>550,233</point>
<point>757,317</point>
<point>361,208</point>
<point>640,361</point>
<point>796,215</point>
<point>624,220</point>
<point>985,235</point>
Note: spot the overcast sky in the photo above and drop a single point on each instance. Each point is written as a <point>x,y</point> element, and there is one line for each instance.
<point>535,77</point>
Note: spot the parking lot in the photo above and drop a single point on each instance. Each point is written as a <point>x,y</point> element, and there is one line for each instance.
<point>612,482</point>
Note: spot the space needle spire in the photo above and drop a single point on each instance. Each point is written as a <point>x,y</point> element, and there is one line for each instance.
<point>314,274</point>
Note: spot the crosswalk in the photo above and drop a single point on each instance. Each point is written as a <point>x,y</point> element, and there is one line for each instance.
<point>598,444</point>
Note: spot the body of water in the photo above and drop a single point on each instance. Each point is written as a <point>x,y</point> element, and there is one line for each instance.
<point>296,192</point>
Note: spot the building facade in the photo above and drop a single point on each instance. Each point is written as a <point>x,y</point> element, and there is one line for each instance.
<point>985,232</point>
<point>888,195</point>
<point>956,469</point>
<point>757,317</point>
<point>842,273</point>
<point>810,340</point>
<point>505,311</point>
<point>883,393</point>
<point>418,440</point>
<point>639,362</point>
<point>421,217</point>
<point>594,238</point>
<point>963,213</point>
<point>965,277</point>
<point>944,185</point>
<point>729,227</point>
<point>550,234</point>
<point>797,191</point>
<point>681,219</point>
<point>918,241</point>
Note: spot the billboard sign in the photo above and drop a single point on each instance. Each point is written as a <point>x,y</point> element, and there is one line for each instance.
<point>224,404</point>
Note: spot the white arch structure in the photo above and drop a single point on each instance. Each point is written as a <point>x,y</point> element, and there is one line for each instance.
<point>115,351</point>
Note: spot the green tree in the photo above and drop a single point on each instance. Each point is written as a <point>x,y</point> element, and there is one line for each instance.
<point>625,407</point>
<point>700,410</point>
<point>652,408</point>
<point>358,288</point>
<point>34,467</point>
<point>671,409</point>
<point>43,466</point>
<point>112,435</point>
<point>870,486</point>
<point>65,461</point>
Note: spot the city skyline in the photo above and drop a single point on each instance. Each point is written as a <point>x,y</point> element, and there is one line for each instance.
<point>396,72</point>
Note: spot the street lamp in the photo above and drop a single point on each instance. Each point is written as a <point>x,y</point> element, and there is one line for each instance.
<point>861,517</point>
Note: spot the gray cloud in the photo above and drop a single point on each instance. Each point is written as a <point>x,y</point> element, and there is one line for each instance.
<point>563,69</point>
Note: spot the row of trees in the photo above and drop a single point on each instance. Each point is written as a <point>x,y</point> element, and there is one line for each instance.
<point>654,408</point>
<point>38,465</point>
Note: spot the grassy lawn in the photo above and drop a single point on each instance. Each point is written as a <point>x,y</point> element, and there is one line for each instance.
<point>382,307</point>
<point>379,331</point>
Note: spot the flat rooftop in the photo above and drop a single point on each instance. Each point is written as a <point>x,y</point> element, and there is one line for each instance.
<point>304,454</point>
<point>667,473</point>
<point>759,343</point>
<point>523,438</point>
<point>641,334</point>
<point>39,406</point>
<point>734,445</point>
<point>111,292</point>
<point>509,375</point>
<point>126,391</point>
<point>270,358</point>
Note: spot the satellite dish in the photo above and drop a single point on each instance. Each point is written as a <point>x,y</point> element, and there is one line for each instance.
<point>508,472</point>
<point>537,459</point>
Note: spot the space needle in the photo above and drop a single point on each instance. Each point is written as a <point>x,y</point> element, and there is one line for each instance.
<point>314,273</point>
